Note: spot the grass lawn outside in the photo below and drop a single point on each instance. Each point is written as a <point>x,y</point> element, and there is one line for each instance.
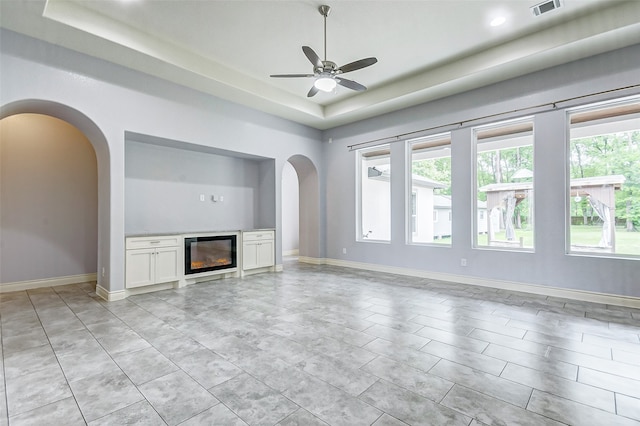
<point>585,235</point>
<point>583,238</point>
<point>525,234</point>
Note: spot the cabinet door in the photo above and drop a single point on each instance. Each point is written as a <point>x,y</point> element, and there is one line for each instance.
<point>140,268</point>
<point>167,264</point>
<point>266,255</point>
<point>250,255</point>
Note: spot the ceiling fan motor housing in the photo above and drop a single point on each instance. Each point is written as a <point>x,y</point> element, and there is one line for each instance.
<point>327,67</point>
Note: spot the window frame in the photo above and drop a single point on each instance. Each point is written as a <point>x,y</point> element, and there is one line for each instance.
<point>413,212</point>
<point>514,126</point>
<point>431,143</point>
<point>587,113</point>
<point>360,232</point>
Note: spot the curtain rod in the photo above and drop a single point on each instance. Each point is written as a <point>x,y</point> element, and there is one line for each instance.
<point>553,105</point>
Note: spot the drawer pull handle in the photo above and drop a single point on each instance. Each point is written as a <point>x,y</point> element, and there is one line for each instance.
<point>154,242</point>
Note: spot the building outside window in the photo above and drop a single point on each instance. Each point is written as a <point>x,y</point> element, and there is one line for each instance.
<point>374,206</point>
<point>604,178</point>
<point>504,183</point>
<point>430,178</point>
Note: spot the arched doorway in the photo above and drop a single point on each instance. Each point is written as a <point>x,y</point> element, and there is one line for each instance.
<point>99,144</point>
<point>309,245</point>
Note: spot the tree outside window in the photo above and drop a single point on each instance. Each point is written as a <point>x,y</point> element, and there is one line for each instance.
<point>604,187</point>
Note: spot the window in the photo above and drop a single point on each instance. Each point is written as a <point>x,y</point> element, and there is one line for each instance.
<point>504,183</point>
<point>604,185</point>
<point>374,171</point>
<point>430,178</point>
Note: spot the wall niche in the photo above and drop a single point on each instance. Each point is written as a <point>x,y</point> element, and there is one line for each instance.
<point>177,187</point>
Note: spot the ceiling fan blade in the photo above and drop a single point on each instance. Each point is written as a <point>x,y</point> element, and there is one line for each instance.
<point>312,56</point>
<point>290,75</point>
<point>362,63</point>
<point>350,84</point>
<point>312,92</point>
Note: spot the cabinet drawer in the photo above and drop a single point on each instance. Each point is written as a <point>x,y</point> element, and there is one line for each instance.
<point>151,242</point>
<point>257,235</point>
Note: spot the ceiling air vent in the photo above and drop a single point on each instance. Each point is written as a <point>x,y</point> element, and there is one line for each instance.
<point>545,7</point>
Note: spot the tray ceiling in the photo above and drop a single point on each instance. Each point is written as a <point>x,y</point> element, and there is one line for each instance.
<point>425,49</point>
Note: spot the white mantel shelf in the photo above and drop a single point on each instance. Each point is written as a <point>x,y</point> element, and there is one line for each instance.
<point>162,234</point>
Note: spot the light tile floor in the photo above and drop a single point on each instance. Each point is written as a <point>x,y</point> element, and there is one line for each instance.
<point>317,345</point>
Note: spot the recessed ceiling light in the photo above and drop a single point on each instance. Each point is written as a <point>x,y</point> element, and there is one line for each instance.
<point>497,21</point>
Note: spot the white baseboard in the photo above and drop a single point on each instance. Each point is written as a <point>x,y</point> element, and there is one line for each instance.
<point>47,282</point>
<point>294,252</point>
<point>110,296</point>
<point>586,296</point>
<point>274,268</point>
<point>151,288</point>
<point>313,260</point>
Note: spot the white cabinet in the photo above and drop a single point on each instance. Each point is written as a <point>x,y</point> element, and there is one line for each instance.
<point>258,249</point>
<point>153,260</point>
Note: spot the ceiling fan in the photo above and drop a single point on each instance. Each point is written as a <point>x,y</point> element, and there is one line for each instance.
<point>327,73</point>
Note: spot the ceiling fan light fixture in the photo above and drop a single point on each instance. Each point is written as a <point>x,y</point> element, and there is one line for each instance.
<point>325,72</point>
<point>326,84</point>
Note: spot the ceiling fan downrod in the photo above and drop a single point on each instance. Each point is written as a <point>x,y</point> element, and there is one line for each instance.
<point>324,11</point>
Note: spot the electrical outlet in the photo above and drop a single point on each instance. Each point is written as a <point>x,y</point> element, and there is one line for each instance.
<point>344,250</point>
<point>463,262</point>
<point>103,271</point>
<point>201,197</point>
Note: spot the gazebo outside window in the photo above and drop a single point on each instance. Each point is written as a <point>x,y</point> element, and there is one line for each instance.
<point>504,179</point>
<point>604,184</point>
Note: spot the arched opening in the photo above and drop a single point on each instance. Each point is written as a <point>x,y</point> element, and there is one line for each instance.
<point>75,226</point>
<point>309,247</point>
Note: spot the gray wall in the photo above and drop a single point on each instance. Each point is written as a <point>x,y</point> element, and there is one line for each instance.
<point>114,101</point>
<point>110,103</point>
<point>163,186</point>
<point>290,209</point>
<point>548,265</point>
<point>49,193</point>
<point>265,208</point>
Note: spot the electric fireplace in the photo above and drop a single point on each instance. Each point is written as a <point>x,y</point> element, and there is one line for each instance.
<point>204,254</point>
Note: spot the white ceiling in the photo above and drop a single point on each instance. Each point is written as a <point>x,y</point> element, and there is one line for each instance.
<point>426,49</point>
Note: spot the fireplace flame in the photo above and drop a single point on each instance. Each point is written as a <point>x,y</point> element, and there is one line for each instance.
<point>208,263</point>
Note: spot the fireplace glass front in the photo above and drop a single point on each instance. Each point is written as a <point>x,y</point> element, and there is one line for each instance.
<point>204,254</point>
